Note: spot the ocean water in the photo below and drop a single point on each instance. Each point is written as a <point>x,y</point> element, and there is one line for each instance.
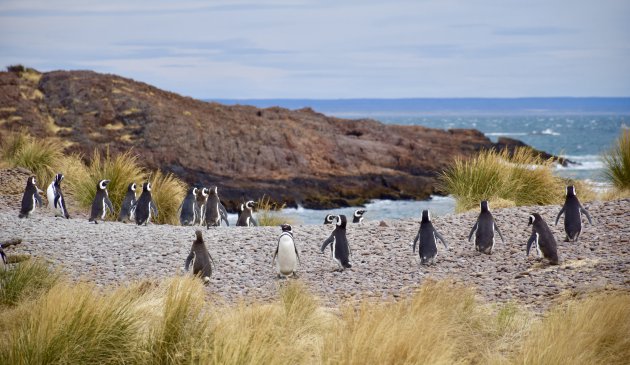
<point>580,129</point>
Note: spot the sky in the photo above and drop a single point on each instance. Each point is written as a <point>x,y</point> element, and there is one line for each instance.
<point>332,49</point>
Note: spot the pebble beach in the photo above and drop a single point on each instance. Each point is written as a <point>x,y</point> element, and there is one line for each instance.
<point>384,267</point>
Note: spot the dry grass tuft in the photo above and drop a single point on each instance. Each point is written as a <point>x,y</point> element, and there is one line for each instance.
<point>267,213</point>
<point>617,162</point>
<point>38,155</point>
<point>521,178</point>
<point>168,192</point>
<point>25,280</point>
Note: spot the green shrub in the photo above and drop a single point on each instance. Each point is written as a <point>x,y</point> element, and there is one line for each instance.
<point>617,163</point>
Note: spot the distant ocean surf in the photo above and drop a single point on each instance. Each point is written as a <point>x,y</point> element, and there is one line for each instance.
<point>577,128</point>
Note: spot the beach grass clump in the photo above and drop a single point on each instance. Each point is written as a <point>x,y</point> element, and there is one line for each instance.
<point>168,192</point>
<point>593,330</point>
<point>121,170</point>
<point>268,213</point>
<point>504,179</point>
<point>617,163</point>
<point>74,324</point>
<point>40,156</point>
<point>24,280</point>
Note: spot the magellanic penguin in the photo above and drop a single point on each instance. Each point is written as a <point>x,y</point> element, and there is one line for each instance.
<point>202,199</point>
<point>484,230</point>
<point>128,208</point>
<point>573,211</point>
<point>215,211</point>
<point>188,209</point>
<point>145,206</point>
<point>428,236</point>
<point>3,256</point>
<point>101,202</point>
<point>339,243</point>
<point>55,197</point>
<point>200,259</point>
<point>543,238</point>
<point>357,217</point>
<point>286,256</point>
<point>246,218</point>
<point>328,219</point>
<point>30,199</point>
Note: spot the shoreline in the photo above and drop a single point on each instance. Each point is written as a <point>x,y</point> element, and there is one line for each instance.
<point>384,266</point>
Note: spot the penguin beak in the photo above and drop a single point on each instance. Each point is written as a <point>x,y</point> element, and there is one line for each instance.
<point>106,182</point>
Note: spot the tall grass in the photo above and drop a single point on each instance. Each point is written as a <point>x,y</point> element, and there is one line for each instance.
<point>172,323</point>
<point>25,280</point>
<point>38,155</point>
<point>267,213</point>
<point>617,162</point>
<point>504,179</point>
<point>168,192</point>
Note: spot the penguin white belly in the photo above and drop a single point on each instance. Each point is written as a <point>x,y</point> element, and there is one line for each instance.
<point>104,210</point>
<point>287,260</point>
<point>50,194</point>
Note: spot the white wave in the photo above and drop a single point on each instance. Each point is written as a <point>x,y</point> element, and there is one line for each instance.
<point>584,165</point>
<point>547,132</point>
<point>505,134</point>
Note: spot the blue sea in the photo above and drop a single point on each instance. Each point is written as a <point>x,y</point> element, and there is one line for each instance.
<point>580,129</point>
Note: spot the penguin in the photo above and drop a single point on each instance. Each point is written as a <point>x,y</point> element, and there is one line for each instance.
<point>101,202</point>
<point>339,243</point>
<point>55,196</point>
<point>202,198</point>
<point>329,219</point>
<point>4,258</point>
<point>145,206</point>
<point>484,230</point>
<point>31,198</point>
<point>128,208</point>
<point>286,256</point>
<point>428,236</point>
<point>200,258</point>
<point>188,208</point>
<point>357,217</point>
<point>573,211</point>
<point>246,219</point>
<point>543,238</point>
<point>215,211</point>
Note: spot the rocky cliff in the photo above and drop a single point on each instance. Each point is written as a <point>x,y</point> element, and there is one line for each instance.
<point>295,156</point>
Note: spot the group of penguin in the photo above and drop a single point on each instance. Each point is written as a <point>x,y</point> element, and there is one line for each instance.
<point>202,206</point>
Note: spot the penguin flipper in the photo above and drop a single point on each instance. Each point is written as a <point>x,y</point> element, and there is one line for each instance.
<point>38,199</point>
<point>473,230</point>
<point>153,209</point>
<point>273,260</point>
<point>415,241</point>
<point>439,236</point>
<point>223,214</point>
<point>297,254</point>
<point>189,259</point>
<point>56,199</point>
<point>559,214</point>
<point>496,228</point>
<point>530,242</point>
<point>108,204</point>
<point>585,212</point>
<point>328,241</point>
<point>253,221</point>
<point>4,256</point>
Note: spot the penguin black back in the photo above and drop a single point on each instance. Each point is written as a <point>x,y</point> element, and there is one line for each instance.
<point>145,206</point>
<point>30,199</point>
<point>246,218</point>
<point>200,258</point>
<point>484,230</point>
<point>542,238</point>
<point>573,211</point>
<point>188,208</point>
<point>128,207</point>
<point>427,237</point>
<point>101,202</point>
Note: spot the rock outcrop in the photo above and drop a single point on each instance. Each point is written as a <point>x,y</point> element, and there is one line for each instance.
<point>295,156</point>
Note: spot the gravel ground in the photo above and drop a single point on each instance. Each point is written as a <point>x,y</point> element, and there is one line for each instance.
<point>384,266</point>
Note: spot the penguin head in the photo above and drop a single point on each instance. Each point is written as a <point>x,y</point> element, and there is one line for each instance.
<point>146,186</point>
<point>132,187</point>
<point>426,216</point>
<point>485,207</point>
<point>329,219</point>
<point>58,178</point>
<point>359,212</point>
<point>341,221</point>
<point>286,227</point>
<point>31,181</point>
<point>534,218</point>
<point>102,185</point>
<point>214,190</point>
<point>250,204</point>
<point>204,192</point>
<point>193,191</point>
<point>571,190</point>
<point>199,235</point>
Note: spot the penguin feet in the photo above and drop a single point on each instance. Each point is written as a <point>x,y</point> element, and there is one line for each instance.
<point>281,277</point>
<point>295,275</point>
